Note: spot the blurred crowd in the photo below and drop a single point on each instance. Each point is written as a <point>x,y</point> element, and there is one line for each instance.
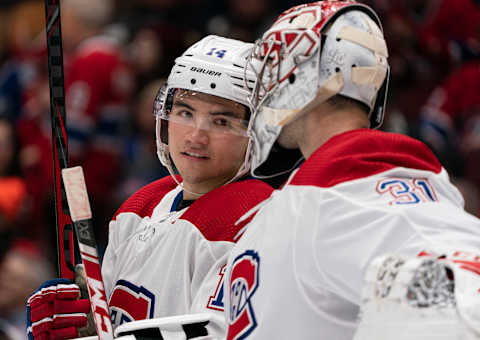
<point>117,53</point>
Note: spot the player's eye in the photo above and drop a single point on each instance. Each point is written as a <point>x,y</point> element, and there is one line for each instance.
<point>182,114</point>
<point>222,122</point>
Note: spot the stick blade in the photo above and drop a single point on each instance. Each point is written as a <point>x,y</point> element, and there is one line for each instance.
<point>77,196</point>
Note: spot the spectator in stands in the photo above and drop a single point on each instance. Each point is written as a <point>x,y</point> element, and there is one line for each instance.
<point>22,270</point>
<point>98,85</point>
<point>142,165</point>
<point>13,192</point>
<point>242,19</point>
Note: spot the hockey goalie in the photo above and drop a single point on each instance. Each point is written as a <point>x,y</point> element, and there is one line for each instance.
<point>422,298</point>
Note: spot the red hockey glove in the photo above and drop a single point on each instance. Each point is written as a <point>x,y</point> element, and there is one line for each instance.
<point>54,311</point>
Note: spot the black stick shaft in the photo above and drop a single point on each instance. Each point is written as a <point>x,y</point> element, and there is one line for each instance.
<point>65,238</point>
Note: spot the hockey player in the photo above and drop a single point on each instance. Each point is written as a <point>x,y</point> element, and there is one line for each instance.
<point>169,242</point>
<point>297,271</point>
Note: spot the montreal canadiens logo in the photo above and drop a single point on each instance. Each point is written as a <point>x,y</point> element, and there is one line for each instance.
<point>243,284</point>
<point>129,302</point>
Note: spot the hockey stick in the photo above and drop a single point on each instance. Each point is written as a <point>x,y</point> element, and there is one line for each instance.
<point>65,237</point>
<point>79,205</point>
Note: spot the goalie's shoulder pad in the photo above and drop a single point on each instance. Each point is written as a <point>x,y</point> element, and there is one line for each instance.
<point>216,213</point>
<point>147,198</point>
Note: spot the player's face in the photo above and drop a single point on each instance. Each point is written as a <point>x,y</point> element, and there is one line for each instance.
<point>207,139</point>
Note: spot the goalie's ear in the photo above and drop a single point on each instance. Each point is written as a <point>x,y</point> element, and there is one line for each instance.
<point>186,326</point>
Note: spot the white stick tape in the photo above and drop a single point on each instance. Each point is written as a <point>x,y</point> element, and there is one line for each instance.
<point>76,191</point>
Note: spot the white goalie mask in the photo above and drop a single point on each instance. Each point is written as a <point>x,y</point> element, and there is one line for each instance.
<point>311,53</point>
<point>214,66</point>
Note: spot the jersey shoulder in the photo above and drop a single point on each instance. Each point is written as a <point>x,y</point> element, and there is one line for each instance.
<point>144,201</point>
<point>215,214</point>
<point>362,153</point>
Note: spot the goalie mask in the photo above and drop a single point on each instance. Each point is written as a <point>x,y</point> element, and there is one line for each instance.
<point>212,69</point>
<point>311,53</point>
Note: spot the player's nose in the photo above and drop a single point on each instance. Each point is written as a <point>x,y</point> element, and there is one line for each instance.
<point>198,135</point>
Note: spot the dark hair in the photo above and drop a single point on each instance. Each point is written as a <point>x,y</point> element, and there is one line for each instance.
<point>248,113</point>
<point>340,102</point>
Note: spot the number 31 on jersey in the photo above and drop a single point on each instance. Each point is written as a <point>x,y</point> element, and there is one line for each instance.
<point>407,191</point>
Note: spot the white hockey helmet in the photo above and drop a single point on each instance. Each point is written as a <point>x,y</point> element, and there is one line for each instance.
<point>311,53</point>
<point>214,66</point>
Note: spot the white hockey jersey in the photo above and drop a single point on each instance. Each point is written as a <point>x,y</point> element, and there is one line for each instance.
<point>297,272</point>
<point>161,262</point>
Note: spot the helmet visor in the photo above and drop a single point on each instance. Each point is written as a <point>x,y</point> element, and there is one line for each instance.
<point>177,108</point>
